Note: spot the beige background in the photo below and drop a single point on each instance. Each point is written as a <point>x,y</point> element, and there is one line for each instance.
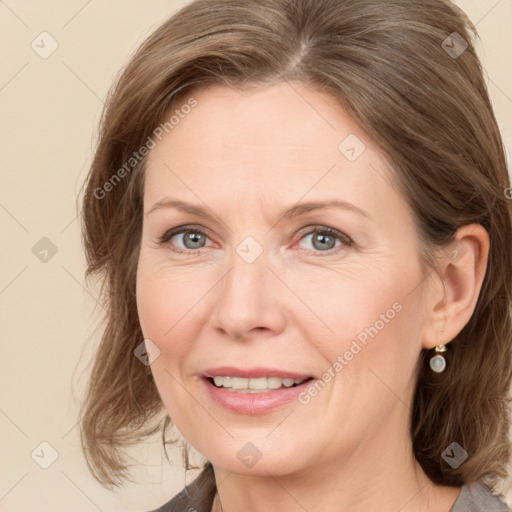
<point>50,110</point>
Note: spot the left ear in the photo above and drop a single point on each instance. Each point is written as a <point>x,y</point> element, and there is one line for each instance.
<point>456,285</point>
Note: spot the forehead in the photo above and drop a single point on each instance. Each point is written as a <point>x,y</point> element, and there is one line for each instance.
<point>284,141</point>
<point>283,114</point>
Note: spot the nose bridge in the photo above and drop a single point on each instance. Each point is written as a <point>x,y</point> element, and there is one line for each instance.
<point>247,297</point>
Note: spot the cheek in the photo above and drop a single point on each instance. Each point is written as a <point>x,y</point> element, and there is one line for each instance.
<point>360,308</point>
<point>157,316</point>
<point>377,336</point>
<point>164,299</point>
<point>165,315</point>
<point>153,305</point>
<point>166,319</point>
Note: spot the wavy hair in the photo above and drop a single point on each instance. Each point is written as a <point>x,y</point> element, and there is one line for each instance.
<point>412,84</point>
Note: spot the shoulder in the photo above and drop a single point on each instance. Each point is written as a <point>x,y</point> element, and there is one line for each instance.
<point>198,497</point>
<point>477,497</point>
<point>195,497</point>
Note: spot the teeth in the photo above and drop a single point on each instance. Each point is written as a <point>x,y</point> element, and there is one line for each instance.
<point>254,385</point>
<point>274,382</point>
<point>222,381</point>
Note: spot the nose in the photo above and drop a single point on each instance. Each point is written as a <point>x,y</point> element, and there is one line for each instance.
<point>249,300</point>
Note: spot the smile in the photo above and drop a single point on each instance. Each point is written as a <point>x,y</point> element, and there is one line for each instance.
<point>254,384</point>
<point>253,391</point>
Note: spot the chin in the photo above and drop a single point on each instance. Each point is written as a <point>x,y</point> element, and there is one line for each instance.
<point>256,459</point>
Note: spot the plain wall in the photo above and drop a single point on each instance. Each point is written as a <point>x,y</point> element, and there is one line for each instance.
<point>50,112</point>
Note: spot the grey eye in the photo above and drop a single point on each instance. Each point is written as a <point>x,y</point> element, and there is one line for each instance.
<point>193,239</point>
<point>322,240</point>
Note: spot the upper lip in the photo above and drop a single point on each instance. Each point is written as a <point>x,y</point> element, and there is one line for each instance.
<point>231,371</point>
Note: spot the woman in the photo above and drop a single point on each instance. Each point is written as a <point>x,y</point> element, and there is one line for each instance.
<point>299,211</point>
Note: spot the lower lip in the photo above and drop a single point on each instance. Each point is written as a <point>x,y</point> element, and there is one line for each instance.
<point>253,403</point>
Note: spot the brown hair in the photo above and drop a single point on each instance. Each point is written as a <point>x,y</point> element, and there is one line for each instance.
<point>390,66</point>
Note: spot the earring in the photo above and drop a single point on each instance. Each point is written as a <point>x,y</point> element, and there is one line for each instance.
<point>438,362</point>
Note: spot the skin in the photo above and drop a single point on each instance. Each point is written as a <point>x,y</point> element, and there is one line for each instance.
<point>247,157</point>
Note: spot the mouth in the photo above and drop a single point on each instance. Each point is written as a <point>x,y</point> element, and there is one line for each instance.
<point>255,384</point>
<point>253,390</point>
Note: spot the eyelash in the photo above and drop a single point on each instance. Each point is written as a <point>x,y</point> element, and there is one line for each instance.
<point>346,241</point>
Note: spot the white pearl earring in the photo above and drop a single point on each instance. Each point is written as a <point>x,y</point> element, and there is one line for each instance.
<point>438,362</point>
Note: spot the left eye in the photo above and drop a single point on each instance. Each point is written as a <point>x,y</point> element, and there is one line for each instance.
<point>324,239</point>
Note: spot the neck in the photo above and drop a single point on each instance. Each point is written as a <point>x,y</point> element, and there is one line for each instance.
<point>377,475</point>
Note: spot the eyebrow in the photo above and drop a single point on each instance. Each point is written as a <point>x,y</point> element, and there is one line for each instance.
<point>294,211</point>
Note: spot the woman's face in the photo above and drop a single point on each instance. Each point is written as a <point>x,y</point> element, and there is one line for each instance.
<point>254,290</point>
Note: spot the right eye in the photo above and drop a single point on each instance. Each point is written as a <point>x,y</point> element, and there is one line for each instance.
<point>191,239</point>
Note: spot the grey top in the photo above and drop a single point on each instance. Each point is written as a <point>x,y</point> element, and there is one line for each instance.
<point>477,498</point>
<point>199,495</point>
